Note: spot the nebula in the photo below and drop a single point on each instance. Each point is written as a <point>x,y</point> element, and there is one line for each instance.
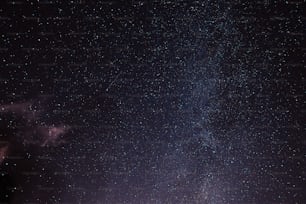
<point>3,153</point>
<point>16,107</point>
<point>34,132</point>
<point>24,109</point>
<point>51,134</point>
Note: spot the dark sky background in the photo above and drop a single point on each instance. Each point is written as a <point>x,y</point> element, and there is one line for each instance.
<point>152,102</point>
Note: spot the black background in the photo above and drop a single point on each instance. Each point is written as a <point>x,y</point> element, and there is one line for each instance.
<point>168,101</point>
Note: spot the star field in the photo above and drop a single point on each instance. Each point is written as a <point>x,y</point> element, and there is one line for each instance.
<point>152,102</point>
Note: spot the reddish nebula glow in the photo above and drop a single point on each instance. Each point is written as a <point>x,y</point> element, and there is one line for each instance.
<point>51,134</point>
<point>24,109</point>
<point>3,153</point>
<point>16,107</point>
<point>48,135</point>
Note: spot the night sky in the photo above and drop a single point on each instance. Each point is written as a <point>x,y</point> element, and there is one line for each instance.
<point>152,102</point>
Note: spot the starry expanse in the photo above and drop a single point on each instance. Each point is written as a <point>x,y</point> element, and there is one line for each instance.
<point>152,102</point>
